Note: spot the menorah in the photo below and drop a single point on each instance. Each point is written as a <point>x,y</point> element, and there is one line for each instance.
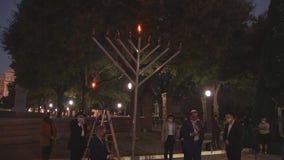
<point>137,69</point>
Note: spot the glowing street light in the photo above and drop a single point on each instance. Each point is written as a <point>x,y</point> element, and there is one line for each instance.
<point>208,93</point>
<point>50,105</point>
<point>93,84</point>
<point>129,86</point>
<point>119,105</point>
<point>71,102</point>
<point>67,108</point>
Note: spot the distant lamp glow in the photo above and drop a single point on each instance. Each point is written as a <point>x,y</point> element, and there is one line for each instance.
<point>119,105</point>
<point>71,102</point>
<point>67,109</point>
<point>208,93</point>
<point>40,107</point>
<point>47,110</point>
<point>139,28</point>
<point>93,84</point>
<point>30,110</point>
<point>50,105</point>
<point>56,110</point>
<point>129,86</point>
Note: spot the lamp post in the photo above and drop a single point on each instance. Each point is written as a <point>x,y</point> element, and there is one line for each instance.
<point>119,106</point>
<point>207,94</point>
<point>129,86</point>
<point>70,102</point>
<point>141,62</point>
<point>127,107</point>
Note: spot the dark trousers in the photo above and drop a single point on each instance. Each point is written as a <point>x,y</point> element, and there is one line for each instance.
<point>192,151</point>
<point>169,147</point>
<point>46,151</point>
<point>282,150</point>
<point>77,154</point>
<point>216,139</point>
<point>233,154</point>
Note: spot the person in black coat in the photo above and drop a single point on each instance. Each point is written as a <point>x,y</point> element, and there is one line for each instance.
<point>191,136</point>
<point>98,148</point>
<point>232,136</point>
<point>77,142</point>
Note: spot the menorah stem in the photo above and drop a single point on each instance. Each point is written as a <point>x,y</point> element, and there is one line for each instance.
<point>135,100</point>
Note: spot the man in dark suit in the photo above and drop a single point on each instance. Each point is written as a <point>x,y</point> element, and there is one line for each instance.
<point>191,135</point>
<point>232,137</point>
<point>98,149</point>
<point>77,142</point>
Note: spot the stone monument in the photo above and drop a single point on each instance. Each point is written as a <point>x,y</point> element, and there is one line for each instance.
<point>20,99</point>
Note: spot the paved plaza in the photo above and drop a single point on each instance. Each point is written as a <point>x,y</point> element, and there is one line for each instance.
<point>149,146</point>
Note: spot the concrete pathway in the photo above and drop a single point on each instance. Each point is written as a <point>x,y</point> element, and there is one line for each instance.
<point>148,144</point>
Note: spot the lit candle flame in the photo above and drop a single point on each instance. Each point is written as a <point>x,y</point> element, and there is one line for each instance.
<point>139,28</point>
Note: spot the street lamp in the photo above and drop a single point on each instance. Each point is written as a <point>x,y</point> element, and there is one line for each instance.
<point>129,86</point>
<point>93,84</point>
<point>208,93</point>
<point>70,102</point>
<point>50,105</point>
<point>206,118</point>
<point>119,105</point>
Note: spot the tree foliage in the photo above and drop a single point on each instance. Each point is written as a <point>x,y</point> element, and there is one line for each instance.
<point>51,46</point>
<point>271,74</point>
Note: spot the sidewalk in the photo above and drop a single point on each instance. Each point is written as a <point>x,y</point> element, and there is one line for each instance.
<point>147,144</point>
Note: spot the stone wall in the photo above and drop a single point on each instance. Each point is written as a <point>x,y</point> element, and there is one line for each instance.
<point>27,130</point>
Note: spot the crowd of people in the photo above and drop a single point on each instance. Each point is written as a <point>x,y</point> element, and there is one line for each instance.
<point>190,135</point>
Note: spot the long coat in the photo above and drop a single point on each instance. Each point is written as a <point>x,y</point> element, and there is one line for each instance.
<point>48,128</point>
<point>76,141</point>
<point>98,149</point>
<point>234,138</point>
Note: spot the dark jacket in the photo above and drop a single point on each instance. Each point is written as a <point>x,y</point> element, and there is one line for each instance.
<point>98,149</point>
<point>48,130</point>
<point>186,129</point>
<point>76,141</point>
<point>235,137</point>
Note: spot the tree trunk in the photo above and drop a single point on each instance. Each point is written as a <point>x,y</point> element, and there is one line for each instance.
<point>84,98</point>
<point>60,103</point>
<point>84,89</point>
<point>215,98</point>
<point>164,105</point>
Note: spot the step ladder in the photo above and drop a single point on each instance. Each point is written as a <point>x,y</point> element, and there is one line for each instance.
<point>106,120</point>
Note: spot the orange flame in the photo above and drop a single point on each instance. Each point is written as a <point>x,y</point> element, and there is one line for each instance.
<point>139,28</point>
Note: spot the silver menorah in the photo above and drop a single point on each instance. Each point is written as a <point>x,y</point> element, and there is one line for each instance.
<point>139,59</point>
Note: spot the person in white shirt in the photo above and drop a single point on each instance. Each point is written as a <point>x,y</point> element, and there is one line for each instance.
<point>264,130</point>
<point>168,136</point>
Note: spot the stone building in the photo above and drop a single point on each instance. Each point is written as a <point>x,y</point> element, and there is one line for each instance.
<point>5,79</point>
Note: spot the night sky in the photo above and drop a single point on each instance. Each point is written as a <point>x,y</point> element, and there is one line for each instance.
<point>8,6</point>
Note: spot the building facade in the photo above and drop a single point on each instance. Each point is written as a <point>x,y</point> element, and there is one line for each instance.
<point>5,79</point>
